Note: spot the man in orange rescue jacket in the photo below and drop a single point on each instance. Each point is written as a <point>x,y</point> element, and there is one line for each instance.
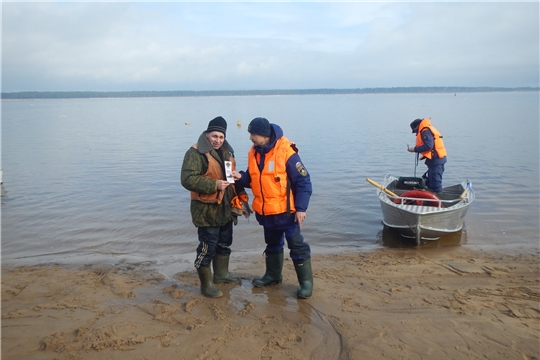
<point>281,189</point>
<point>430,146</point>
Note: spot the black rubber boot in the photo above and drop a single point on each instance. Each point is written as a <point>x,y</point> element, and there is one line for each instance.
<point>207,286</point>
<point>274,266</point>
<point>305,278</point>
<point>220,262</point>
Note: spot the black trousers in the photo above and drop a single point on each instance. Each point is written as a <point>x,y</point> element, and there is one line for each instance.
<point>212,241</point>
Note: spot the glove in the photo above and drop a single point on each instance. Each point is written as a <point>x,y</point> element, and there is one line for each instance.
<point>240,205</point>
<point>246,210</point>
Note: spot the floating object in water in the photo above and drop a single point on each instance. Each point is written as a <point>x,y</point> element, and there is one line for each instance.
<point>2,190</point>
<point>238,123</point>
<point>187,123</point>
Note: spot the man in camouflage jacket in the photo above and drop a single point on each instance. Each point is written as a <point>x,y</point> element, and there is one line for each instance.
<point>203,174</point>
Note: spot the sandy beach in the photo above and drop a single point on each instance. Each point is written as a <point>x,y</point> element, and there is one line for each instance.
<point>443,303</point>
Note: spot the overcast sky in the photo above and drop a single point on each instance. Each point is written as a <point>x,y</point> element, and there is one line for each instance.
<point>102,46</point>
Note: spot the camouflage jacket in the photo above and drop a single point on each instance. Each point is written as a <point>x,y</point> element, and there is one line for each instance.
<point>192,178</point>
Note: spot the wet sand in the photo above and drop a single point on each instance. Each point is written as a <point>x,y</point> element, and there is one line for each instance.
<point>450,303</point>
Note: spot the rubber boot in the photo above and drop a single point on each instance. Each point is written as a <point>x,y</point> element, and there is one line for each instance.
<point>305,278</point>
<point>207,286</point>
<point>220,262</point>
<point>274,266</point>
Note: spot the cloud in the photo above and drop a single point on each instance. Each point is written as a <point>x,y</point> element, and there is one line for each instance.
<point>207,46</point>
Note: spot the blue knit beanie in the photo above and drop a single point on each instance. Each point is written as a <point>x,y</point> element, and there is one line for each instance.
<point>260,126</point>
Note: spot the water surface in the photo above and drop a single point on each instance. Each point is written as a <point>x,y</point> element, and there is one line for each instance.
<point>97,180</point>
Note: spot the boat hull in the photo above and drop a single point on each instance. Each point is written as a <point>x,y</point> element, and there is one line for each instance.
<point>431,225</point>
<point>425,222</point>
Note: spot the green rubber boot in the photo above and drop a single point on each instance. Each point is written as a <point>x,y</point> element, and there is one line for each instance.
<point>274,266</point>
<point>305,278</point>
<point>207,286</point>
<point>220,262</point>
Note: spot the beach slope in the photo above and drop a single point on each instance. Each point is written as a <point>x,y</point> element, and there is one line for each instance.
<point>449,303</point>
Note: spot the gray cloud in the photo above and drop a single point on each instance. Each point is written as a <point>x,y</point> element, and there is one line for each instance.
<point>207,46</point>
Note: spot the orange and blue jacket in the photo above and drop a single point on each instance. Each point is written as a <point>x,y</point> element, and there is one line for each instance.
<point>429,143</point>
<point>278,179</point>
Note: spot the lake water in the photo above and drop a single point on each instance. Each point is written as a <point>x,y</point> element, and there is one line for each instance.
<point>97,180</point>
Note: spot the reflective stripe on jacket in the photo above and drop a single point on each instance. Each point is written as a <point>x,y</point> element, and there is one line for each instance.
<point>214,171</point>
<point>269,187</point>
<point>438,144</point>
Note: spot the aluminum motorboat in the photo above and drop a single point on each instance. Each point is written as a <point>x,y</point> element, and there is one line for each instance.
<point>415,212</point>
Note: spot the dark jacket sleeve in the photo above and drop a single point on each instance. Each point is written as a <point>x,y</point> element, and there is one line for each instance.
<point>245,181</point>
<point>427,138</point>
<point>300,182</point>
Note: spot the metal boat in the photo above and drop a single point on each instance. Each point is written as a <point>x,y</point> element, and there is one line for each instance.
<point>417,213</point>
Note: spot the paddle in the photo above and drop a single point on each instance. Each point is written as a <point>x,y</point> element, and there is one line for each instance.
<point>465,192</point>
<point>380,187</point>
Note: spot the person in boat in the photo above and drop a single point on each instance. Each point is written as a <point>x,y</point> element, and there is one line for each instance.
<point>281,188</point>
<point>203,174</point>
<point>430,146</point>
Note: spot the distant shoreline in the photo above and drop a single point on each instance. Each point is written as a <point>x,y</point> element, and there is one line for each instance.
<point>182,93</point>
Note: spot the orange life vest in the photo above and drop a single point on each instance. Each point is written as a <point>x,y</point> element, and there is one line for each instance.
<point>438,144</point>
<point>269,187</point>
<point>214,171</point>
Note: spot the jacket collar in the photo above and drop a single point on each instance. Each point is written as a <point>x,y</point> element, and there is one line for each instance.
<point>277,133</point>
<point>204,146</point>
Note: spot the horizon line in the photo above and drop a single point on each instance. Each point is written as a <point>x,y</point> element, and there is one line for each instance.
<point>313,91</point>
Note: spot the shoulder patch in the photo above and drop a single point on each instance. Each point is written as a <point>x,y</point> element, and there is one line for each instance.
<point>301,169</point>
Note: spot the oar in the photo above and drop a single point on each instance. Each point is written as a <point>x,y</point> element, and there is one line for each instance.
<point>465,192</point>
<point>380,187</point>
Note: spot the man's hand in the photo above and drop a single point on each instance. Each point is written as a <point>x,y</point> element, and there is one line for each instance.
<point>299,217</point>
<point>236,175</point>
<point>222,184</point>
